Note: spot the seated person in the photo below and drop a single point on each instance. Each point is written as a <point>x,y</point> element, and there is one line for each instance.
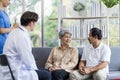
<point>19,52</point>
<point>95,59</point>
<point>63,58</point>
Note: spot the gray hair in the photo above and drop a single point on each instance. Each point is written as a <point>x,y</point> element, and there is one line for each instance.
<point>63,32</point>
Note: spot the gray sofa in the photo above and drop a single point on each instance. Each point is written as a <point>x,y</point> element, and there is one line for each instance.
<point>41,55</point>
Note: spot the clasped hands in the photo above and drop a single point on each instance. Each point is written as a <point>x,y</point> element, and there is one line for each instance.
<point>54,68</point>
<point>84,70</point>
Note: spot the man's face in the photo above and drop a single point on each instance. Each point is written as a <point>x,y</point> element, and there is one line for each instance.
<point>91,39</point>
<point>66,39</point>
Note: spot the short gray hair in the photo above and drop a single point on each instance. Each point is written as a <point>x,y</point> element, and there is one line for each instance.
<point>63,32</point>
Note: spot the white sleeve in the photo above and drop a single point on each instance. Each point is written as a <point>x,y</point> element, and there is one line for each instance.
<point>106,54</point>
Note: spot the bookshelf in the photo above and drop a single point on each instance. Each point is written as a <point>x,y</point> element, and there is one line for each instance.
<point>96,12</point>
<point>82,23</point>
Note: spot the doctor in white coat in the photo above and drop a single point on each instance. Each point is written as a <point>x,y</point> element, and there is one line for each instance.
<point>19,52</point>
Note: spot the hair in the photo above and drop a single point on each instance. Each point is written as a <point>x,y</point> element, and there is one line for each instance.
<point>96,32</point>
<point>27,17</point>
<point>63,32</point>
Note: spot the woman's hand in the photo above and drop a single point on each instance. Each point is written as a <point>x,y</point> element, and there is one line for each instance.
<point>15,25</point>
<point>54,68</point>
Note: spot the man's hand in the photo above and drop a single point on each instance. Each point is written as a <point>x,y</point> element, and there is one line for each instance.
<point>87,70</point>
<point>81,70</point>
<point>84,70</point>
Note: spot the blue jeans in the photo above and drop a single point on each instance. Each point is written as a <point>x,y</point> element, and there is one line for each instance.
<point>60,74</point>
<point>43,74</point>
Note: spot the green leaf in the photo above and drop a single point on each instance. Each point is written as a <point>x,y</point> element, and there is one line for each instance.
<point>78,6</point>
<point>110,3</point>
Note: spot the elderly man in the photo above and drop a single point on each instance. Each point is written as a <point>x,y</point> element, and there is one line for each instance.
<point>63,58</point>
<point>95,59</point>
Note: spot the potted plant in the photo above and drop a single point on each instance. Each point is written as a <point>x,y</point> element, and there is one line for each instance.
<point>79,7</point>
<point>110,3</point>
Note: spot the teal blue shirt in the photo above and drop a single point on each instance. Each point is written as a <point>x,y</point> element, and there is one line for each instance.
<point>4,23</point>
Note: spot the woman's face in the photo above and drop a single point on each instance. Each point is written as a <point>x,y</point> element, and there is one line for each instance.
<point>66,39</point>
<point>5,3</point>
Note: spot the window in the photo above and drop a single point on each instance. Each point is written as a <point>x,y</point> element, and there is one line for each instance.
<point>46,32</point>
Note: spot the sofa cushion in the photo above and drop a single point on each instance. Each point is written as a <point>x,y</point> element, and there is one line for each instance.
<point>44,52</point>
<point>114,75</point>
<point>80,51</point>
<point>115,59</point>
<point>41,55</point>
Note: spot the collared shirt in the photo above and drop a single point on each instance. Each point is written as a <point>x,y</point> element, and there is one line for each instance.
<point>4,23</point>
<point>67,59</point>
<point>18,50</point>
<point>94,56</point>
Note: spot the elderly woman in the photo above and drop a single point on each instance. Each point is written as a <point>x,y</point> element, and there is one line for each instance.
<point>63,58</point>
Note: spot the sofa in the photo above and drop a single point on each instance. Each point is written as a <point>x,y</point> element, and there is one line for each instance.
<point>41,54</point>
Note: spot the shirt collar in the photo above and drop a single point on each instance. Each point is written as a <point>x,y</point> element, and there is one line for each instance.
<point>97,47</point>
<point>60,47</point>
<point>23,28</point>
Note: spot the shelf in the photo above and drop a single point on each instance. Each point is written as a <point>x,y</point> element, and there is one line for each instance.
<point>75,18</point>
<point>82,19</point>
<point>79,38</point>
<point>84,38</point>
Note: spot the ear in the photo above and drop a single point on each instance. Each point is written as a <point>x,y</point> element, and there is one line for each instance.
<point>96,37</point>
<point>31,23</point>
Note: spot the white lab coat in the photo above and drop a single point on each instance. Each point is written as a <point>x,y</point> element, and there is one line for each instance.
<point>19,52</point>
